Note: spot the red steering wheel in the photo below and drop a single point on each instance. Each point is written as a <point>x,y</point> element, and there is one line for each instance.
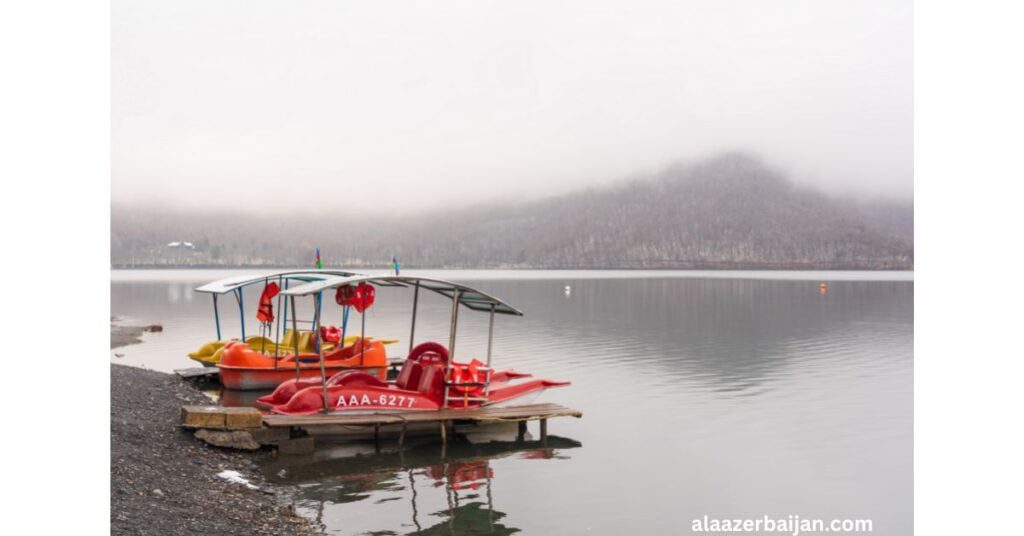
<point>429,353</point>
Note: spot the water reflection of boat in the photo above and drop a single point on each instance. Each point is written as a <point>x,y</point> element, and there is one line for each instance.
<point>233,398</point>
<point>464,472</point>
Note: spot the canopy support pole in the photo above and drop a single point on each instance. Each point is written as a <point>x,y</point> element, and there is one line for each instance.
<point>451,345</point>
<point>241,310</point>
<point>362,338</point>
<point>454,326</point>
<point>317,343</point>
<point>415,304</point>
<point>284,311</point>
<point>344,326</point>
<point>277,324</point>
<point>295,337</point>
<point>490,336</point>
<point>316,333</point>
<point>216,315</point>
<point>490,344</point>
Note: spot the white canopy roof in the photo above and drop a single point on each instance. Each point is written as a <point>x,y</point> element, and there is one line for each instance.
<point>230,284</point>
<point>470,297</point>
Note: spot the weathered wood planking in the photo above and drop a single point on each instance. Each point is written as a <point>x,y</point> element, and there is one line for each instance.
<point>514,413</point>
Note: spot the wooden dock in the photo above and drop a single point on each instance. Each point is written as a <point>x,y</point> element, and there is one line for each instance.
<point>484,414</point>
<point>283,430</point>
<point>442,418</point>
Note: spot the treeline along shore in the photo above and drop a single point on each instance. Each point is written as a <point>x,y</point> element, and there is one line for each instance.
<point>728,212</point>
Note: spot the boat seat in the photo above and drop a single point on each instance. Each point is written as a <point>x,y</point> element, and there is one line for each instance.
<point>305,341</point>
<point>409,376</point>
<point>432,381</point>
<point>207,350</point>
<point>360,378</point>
<point>289,339</point>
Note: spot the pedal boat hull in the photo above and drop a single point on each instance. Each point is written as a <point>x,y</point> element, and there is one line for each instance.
<point>242,368</point>
<point>355,391</point>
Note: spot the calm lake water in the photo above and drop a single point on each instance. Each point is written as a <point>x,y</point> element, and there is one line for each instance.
<point>726,394</point>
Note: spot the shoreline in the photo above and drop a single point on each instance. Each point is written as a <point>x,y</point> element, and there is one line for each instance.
<point>195,274</point>
<point>125,335</point>
<point>690,266</point>
<point>164,481</point>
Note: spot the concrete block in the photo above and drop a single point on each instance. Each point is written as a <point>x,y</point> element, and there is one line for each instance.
<point>242,418</point>
<point>202,417</point>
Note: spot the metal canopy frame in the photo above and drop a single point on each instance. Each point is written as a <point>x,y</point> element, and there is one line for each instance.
<point>234,285</point>
<point>315,282</point>
<point>459,294</point>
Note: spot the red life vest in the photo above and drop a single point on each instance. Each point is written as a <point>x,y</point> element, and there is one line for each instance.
<point>266,311</point>
<point>364,296</point>
<point>344,294</point>
<point>360,297</point>
<point>468,374</point>
<point>330,333</point>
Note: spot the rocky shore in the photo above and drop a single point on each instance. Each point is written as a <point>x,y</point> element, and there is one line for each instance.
<point>164,481</point>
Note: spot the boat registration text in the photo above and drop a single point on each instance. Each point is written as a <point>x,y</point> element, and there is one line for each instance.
<point>397,401</point>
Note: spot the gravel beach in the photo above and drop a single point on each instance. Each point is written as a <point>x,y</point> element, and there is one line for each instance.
<point>164,481</point>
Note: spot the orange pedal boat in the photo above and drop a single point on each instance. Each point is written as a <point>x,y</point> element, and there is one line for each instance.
<point>245,369</point>
<point>264,361</point>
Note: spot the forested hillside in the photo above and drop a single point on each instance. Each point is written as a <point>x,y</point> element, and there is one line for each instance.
<point>727,212</point>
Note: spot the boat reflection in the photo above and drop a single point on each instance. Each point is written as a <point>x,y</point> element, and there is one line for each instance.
<point>233,398</point>
<point>434,489</point>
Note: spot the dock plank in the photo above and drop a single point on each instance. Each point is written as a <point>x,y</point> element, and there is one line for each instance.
<point>526,412</point>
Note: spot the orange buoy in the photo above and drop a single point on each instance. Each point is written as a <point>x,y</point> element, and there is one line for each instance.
<point>822,288</point>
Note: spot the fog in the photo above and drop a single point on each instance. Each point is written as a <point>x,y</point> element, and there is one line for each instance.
<point>274,105</point>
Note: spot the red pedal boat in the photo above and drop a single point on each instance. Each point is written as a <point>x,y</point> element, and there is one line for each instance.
<point>430,378</point>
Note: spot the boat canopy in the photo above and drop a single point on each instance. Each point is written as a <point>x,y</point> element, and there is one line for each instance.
<point>470,297</point>
<point>231,284</point>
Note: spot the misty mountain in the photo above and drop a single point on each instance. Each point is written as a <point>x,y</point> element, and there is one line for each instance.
<point>731,211</point>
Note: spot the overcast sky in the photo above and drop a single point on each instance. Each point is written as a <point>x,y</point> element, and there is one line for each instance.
<point>287,104</point>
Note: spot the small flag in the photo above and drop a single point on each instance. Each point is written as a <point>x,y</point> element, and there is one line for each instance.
<point>319,265</point>
<point>394,262</point>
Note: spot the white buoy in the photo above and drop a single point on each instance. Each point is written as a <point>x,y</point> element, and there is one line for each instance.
<point>568,290</point>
